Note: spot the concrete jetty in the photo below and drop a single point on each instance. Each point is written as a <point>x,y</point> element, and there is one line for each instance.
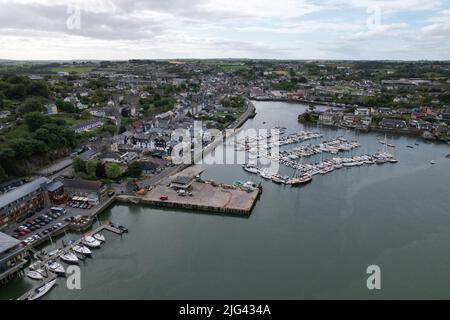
<point>207,196</point>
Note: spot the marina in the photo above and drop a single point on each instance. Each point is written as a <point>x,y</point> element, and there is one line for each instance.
<point>46,269</point>
<point>376,206</point>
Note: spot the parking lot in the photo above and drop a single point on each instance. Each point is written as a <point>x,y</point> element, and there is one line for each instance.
<point>48,220</point>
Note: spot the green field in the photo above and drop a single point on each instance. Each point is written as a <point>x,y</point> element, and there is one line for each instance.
<point>69,119</point>
<point>227,66</point>
<point>74,69</point>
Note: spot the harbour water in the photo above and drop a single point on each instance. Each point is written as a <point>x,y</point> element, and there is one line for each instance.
<point>313,242</point>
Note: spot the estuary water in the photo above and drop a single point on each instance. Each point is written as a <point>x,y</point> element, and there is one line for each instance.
<point>312,242</point>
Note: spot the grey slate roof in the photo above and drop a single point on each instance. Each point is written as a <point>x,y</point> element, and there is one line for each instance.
<point>55,186</point>
<point>7,242</point>
<point>22,191</point>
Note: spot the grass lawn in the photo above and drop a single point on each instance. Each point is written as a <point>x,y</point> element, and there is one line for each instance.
<point>76,69</point>
<point>69,118</point>
<point>227,66</point>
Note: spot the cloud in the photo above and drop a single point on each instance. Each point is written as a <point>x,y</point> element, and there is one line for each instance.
<point>381,31</point>
<point>221,28</point>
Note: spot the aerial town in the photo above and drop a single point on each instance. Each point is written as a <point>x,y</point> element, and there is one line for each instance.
<point>75,137</point>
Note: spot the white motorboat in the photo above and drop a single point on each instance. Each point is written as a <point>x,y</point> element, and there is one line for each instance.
<point>266,174</point>
<point>433,162</point>
<point>91,242</point>
<point>69,257</point>
<point>251,169</point>
<point>40,291</point>
<point>55,267</point>
<point>81,249</point>
<point>35,275</point>
<point>100,237</point>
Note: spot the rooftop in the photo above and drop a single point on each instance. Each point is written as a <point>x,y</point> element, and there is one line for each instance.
<point>22,191</point>
<point>82,184</point>
<point>7,242</point>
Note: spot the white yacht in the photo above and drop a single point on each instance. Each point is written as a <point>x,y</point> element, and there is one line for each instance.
<point>251,169</point>
<point>55,267</point>
<point>266,174</point>
<point>81,249</point>
<point>91,242</point>
<point>100,237</point>
<point>35,275</point>
<point>69,257</point>
<point>40,291</point>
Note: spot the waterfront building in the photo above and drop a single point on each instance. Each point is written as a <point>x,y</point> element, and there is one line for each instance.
<point>181,182</point>
<point>94,190</point>
<point>362,112</point>
<point>326,118</point>
<point>87,126</point>
<point>12,256</point>
<point>392,124</point>
<point>23,201</point>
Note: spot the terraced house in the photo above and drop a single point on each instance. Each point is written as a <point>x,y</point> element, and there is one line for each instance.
<point>23,201</point>
<point>11,257</point>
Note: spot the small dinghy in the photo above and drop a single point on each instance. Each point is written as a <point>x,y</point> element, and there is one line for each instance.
<point>35,275</point>
<point>91,242</point>
<point>55,267</point>
<point>69,257</point>
<point>100,237</point>
<point>81,249</point>
<point>40,291</point>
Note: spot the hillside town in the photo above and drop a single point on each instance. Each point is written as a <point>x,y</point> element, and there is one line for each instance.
<point>74,134</point>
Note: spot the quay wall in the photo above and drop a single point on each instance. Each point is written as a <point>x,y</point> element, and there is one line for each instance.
<point>185,206</point>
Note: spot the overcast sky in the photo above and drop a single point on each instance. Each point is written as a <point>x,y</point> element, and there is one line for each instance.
<point>282,29</point>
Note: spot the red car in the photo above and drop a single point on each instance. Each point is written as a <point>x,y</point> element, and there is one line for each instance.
<point>26,231</point>
<point>163,198</point>
<point>21,233</point>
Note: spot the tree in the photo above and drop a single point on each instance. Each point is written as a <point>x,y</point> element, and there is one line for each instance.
<point>100,171</point>
<point>135,169</point>
<point>3,175</point>
<point>37,88</point>
<point>16,91</point>
<point>79,165</point>
<point>35,120</point>
<point>110,128</point>
<point>113,170</point>
<point>91,168</point>
<point>32,105</point>
<point>25,148</point>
